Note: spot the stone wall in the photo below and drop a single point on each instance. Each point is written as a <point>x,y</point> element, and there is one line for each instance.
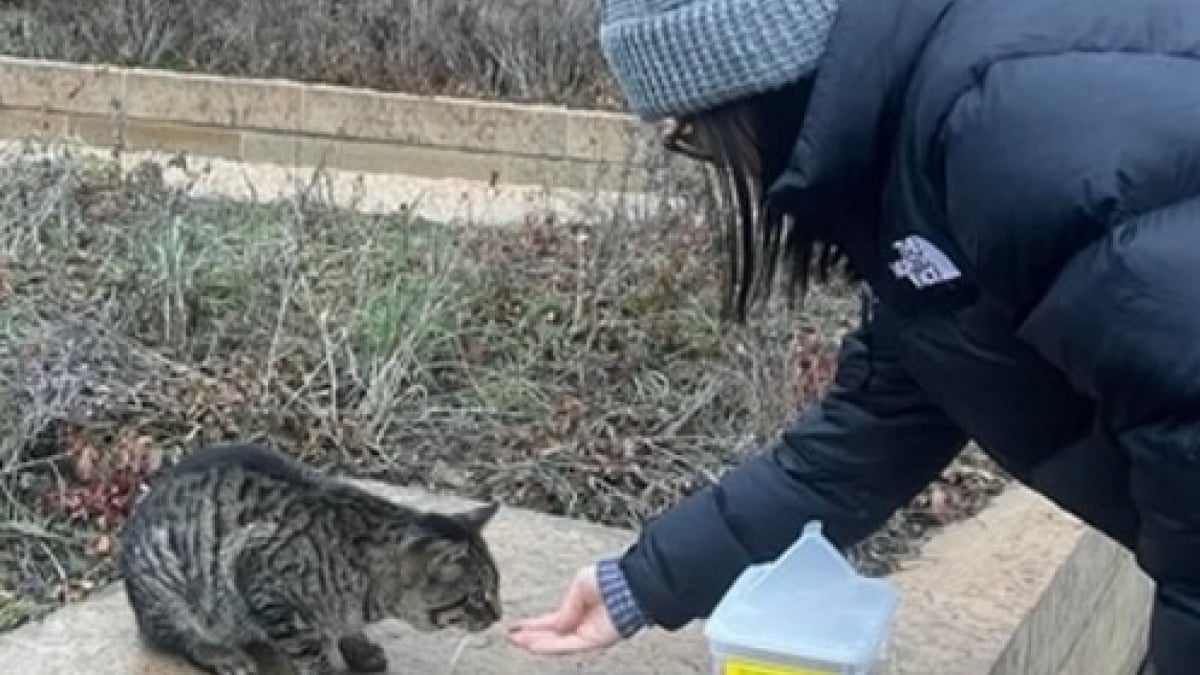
<point>291,123</point>
<point>1022,588</point>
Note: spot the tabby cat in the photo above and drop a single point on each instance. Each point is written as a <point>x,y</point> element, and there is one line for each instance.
<point>239,546</point>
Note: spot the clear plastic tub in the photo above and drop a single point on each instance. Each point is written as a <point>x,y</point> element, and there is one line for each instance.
<point>806,613</point>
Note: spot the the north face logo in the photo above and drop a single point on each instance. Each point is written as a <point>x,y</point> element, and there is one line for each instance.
<point>922,263</point>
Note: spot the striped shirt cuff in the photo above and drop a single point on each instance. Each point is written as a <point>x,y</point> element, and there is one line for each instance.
<point>622,609</point>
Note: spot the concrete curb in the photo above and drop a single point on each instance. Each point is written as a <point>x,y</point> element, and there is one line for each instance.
<point>1020,589</point>
<point>298,124</point>
<point>451,201</point>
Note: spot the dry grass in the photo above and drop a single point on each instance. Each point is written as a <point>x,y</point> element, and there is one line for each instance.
<point>529,50</point>
<point>572,368</point>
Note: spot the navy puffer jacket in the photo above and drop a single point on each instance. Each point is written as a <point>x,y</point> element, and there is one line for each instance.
<point>1029,174</point>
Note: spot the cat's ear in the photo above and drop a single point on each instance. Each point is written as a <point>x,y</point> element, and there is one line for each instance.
<point>478,518</point>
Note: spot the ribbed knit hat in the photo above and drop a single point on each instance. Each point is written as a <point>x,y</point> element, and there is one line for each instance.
<point>677,57</point>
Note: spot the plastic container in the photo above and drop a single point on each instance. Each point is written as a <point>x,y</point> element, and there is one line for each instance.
<point>806,613</point>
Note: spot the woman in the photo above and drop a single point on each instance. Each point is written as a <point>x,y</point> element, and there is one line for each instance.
<point>1018,183</point>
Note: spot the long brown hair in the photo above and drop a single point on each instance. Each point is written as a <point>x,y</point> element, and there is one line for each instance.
<point>748,143</point>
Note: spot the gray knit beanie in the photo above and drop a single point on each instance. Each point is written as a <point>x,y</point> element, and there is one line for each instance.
<point>677,57</point>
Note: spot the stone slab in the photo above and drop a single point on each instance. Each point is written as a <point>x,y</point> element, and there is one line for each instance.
<point>286,122</point>
<point>1091,619</point>
<point>36,124</point>
<point>270,148</point>
<point>976,582</point>
<point>131,134</point>
<point>58,86</point>
<point>608,137</point>
<point>1115,640</point>
<point>212,100</point>
<point>966,606</point>
<point>348,112</point>
<point>400,159</point>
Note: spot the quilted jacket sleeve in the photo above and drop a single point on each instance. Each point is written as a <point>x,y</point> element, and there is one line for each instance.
<point>849,461</point>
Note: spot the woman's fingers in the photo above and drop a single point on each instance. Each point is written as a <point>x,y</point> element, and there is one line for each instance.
<point>559,632</point>
<point>548,643</point>
<point>550,621</point>
<point>562,620</point>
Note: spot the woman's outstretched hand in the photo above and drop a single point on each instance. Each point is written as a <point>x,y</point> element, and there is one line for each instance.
<point>580,624</point>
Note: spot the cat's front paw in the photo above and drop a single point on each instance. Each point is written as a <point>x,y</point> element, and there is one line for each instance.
<point>362,655</point>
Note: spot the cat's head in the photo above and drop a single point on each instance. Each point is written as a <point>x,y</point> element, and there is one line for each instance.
<point>451,579</point>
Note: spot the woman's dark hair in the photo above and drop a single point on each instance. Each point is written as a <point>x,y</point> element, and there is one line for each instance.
<point>749,143</point>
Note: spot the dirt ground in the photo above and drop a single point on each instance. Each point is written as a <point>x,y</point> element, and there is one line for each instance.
<point>579,368</point>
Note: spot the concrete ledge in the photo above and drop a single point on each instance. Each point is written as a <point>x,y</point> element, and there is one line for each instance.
<point>349,128</point>
<point>1021,589</point>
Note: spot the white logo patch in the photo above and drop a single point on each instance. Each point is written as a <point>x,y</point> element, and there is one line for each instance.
<point>922,263</point>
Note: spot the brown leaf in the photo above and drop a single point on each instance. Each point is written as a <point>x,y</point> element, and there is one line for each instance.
<point>942,503</point>
<point>84,458</point>
<point>147,455</point>
<point>101,546</point>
